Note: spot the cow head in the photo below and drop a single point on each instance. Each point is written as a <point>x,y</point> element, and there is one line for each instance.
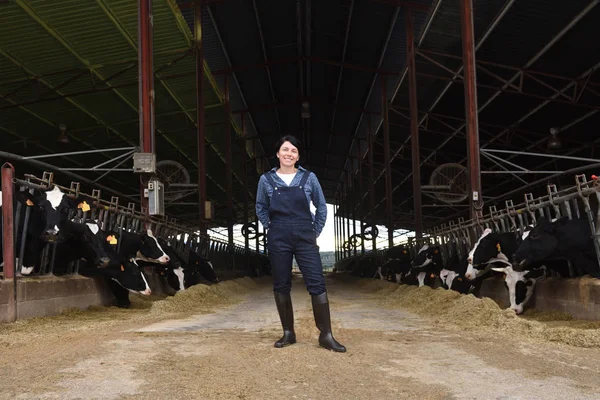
<point>151,250</point>
<point>87,239</point>
<point>487,249</point>
<point>427,255</point>
<point>204,267</point>
<point>539,244</point>
<point>520,285</point>
<point>447,276</point>
<point>129,275</point>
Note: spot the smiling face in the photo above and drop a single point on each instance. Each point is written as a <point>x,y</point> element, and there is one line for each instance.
<point>288,155</point>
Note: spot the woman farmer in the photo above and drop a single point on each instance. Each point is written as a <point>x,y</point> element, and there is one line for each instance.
<point>282,206</point>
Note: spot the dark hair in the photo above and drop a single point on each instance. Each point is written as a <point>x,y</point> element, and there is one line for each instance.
<point>289,138</point>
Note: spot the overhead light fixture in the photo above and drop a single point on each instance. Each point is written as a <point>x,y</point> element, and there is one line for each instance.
<point>63,138</point>
<point>305,110</point>
<point>554,142</point>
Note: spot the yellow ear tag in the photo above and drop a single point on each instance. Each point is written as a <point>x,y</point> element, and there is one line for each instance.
<point>29,203</point>
<point>84,206</point>
<point>111,239</point>
<point>403,251</point>
<point>122,268</point>
<point>499,248</point>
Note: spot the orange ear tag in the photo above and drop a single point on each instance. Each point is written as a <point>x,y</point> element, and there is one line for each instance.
<point>29,203</point>
<point>499,248</point>
<point>122,268</point>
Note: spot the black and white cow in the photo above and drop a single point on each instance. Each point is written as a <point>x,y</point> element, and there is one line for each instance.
<point>121,272</point>
<point>33,244</point>
<point>427,264</point>
<point>566,239</point>
<point>492,249</point>
<point>48,214</point>
<point>520,285</point>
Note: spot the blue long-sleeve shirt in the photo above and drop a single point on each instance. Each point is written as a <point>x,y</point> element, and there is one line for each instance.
<point>312,190</point>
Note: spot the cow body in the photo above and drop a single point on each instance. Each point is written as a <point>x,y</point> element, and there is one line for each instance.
<point>566,239</point>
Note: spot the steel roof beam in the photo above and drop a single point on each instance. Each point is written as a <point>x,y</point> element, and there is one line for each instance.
<point>404,72</point>
<point>345,46</point>
<point>373,81</point>
<point>165,85</point>
<point>53,125</point>
<point>67,46</point>
<point>224,49</point>
<point>487,33</point>
<point>527,65</point>
<point>264,51</point>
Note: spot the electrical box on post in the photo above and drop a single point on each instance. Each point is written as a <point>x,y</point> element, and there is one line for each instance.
<point>156,197</point>
<point>209,210</point>
<point>144,163</point>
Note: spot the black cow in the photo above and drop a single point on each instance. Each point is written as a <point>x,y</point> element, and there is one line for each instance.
<point>398,263</point>
<point>203,266</point>
<point>571,240</point>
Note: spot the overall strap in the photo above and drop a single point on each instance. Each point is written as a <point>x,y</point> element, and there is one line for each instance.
<point>270,180</point>
<point>304,179</point>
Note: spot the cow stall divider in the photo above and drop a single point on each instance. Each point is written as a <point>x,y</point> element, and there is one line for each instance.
<point>110,216</point>
<point>580,200</point>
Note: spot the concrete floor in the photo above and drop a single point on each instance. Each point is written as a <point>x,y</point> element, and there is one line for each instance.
<point>229,354</point>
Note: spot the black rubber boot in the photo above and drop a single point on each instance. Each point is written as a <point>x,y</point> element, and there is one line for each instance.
<point>320,306</point>
<point>286,314</point>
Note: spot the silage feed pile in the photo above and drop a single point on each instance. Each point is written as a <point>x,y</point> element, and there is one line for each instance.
<point>203,298</point>
<point>144,309</point>
<point>451,308</point>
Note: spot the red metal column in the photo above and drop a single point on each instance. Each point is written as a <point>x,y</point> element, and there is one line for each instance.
<point>470,82</point>
<point>8,242</point>
<point>414,125</point>
<point>353,198</point>
<point>200,119</point>
<point>335,229</point>
<point>387,163</point>
<point>360,196</point>
<point>372,180</point>
<point>245,161</point>
<point>145,85</point>
<point>228,168</point>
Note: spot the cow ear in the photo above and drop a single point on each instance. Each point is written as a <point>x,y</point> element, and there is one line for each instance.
<point>26,198</point>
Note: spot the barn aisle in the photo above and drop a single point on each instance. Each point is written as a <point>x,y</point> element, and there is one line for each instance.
<point>229,354</point>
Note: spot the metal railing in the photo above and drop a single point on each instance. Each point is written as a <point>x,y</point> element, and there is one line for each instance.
<point>460,236</point>
<point>109,214</point>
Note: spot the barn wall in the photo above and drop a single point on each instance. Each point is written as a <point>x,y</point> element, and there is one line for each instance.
<point>43,296</point>
<point>579,297</point>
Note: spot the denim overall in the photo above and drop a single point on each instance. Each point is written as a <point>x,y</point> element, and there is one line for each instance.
<point>291,233</point>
